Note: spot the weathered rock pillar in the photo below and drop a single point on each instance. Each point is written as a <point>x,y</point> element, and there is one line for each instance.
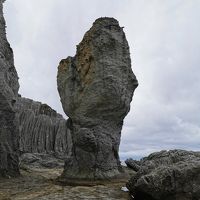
<point>96,87</point>
<point>8,92</point>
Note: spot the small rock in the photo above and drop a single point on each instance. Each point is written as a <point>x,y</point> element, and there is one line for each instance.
<point>125,189</point>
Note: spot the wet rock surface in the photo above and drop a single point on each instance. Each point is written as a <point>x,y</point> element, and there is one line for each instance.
<point>8,93</point>
<point>96,88</point>
<point>42,129</point>
<point>166,175</point>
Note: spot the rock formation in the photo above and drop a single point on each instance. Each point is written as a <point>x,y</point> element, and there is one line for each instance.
<point>166,175</point>
<point>42,129</point>
<point>96,88</point>
<point>8,92</point>
<point>40,161</point>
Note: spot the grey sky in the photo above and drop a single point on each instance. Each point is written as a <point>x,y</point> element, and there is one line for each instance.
<point>164,41</point>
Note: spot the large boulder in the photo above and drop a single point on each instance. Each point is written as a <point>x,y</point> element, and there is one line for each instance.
<point>166,175</point>
<point>8,93</point>
<point>42,129</point>
<point>96,88</point>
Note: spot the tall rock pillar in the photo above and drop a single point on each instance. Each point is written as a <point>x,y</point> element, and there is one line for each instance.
<point>96,88</point>
<point>8,93</point>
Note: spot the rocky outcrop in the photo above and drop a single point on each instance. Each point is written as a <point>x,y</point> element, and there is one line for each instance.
<point>166,175</point>
<point>96,88</point>
<point>133,164</point>
<point>42,129</point>
<point>40,160</point>
<point>8,92</point>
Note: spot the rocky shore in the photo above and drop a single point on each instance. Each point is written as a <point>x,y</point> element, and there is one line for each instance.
<point>96,87</point>
<point>39,184</point>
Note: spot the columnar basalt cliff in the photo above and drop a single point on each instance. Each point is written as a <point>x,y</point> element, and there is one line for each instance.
<point>42,129</point>
<point>8,93</point>
<point>96,88</point>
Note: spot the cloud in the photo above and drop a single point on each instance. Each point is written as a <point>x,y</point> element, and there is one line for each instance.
<point>164,43</point>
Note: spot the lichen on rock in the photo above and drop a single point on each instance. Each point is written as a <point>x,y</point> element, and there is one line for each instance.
<point>96,87</point>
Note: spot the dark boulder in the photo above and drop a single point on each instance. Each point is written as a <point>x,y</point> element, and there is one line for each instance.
<point>133,164</point>
<point>167,175</point>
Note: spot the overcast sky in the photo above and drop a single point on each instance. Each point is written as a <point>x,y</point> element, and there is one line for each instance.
<point>164,39</point>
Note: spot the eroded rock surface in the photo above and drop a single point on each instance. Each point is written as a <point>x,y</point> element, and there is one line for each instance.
<point>166,175</point>
<point>42,129</point>
<point>96,88</point>
<point>40,160</point>
<point>38,184</point>
<point>8,93</point>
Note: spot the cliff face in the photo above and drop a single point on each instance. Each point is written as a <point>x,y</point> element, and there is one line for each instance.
<point>42,129</point>
<point>8,92</point>
<point>96,88</point>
